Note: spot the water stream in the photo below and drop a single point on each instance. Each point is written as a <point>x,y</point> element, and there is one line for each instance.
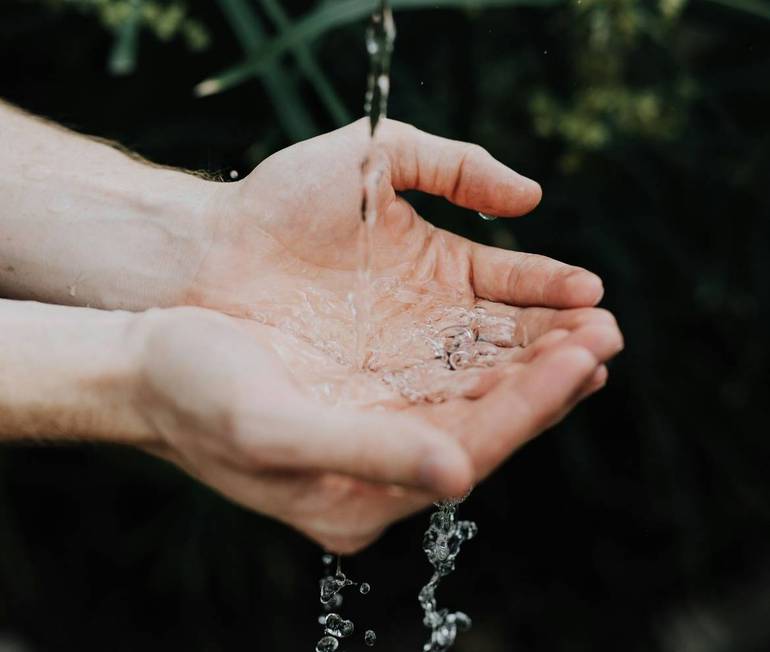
<point>434,355</point>
<point>442,542</point>
<point>380,40</point>
<point>335,627</point>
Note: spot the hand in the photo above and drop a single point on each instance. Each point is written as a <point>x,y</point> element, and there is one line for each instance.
<point>236,402</point>
<point>225,407</point>
<point>283,245</point>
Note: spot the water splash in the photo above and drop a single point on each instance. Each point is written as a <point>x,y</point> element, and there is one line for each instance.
<point>441,543</point>
<point>327,644</point>
<point>335,627</point>
<point>458,339</point>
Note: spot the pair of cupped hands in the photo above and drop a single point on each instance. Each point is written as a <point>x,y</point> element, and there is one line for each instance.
<point>235,414</point>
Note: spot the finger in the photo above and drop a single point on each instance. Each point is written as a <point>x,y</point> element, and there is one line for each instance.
<point>604,342</point>
<point>532,280</point>
<point>372,446</point>
<point>521,407</point>
<point>541,344</point>
<point>532,323</point>
<point>467,175</point>
<point>597,382</point>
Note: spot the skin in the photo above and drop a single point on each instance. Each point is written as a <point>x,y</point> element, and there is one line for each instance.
<point>183,359</point>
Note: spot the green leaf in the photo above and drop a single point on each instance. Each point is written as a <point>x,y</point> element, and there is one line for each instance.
<point>283,92</point>
<point>122,59</point>
<point>330,16</point>
<point>761,9</point>
<point>309,66</point>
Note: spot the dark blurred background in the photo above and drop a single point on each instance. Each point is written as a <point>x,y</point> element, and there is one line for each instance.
<point>640,523</point>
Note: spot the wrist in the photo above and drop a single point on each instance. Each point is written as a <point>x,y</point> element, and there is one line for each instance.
<point>153,255</point>
<point>72,375</point>
<point>87,225</point>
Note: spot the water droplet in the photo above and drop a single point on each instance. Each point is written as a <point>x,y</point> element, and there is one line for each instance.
<point>333,621</point>
<point>364,588</point>
<point>331,586</point>
<point>383,82</point>
<point>442,543</point>
<point>487,217</point>
<point>327,644</point>
<point>347,628</point>
<point>463,621</point>
<point>460,359</point>
<point>334,603</point>
<point>335,626</point>
<point>370,638</point>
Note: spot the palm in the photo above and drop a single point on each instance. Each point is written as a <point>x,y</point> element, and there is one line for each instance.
<point>287,252</point>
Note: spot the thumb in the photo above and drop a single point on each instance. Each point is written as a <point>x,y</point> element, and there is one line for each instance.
<point>466,174</point>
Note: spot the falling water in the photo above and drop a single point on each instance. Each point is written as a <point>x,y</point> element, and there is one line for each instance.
<point>441,543</point>
<point>380,39</point>
<point>454,346</point>
<point>452,338</point>
<point>335,627</point>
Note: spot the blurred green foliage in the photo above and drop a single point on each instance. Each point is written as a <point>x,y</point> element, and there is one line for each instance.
<point>608,101</point>
<point>642,523</point>
<point>167,20</point>
<point>610,98</point>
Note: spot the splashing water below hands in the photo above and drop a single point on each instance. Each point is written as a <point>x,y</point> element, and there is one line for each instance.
<point>337,628</point>
<point>442,542</point>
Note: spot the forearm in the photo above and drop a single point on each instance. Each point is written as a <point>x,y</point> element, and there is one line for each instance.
<point>81,223</point>
<point>69,374</point>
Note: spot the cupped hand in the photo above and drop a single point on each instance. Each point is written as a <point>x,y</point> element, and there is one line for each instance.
<point>231,411</point>
<point>284,242</point>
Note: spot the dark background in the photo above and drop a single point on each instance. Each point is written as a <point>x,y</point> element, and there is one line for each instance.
<point>640,523</point>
